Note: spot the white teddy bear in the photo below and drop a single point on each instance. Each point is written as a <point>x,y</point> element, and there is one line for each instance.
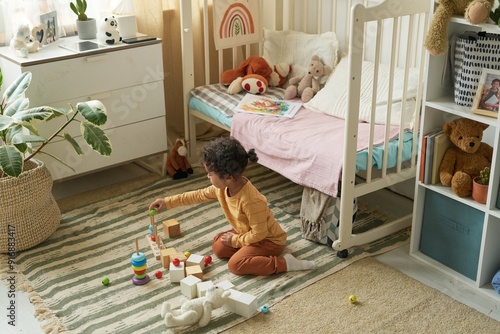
<point>108,32</point>
<point>198,310</point>
<point>23,43</point>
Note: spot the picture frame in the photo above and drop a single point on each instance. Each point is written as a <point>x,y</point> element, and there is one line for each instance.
<point>49,20</point>
<point>487,99</point>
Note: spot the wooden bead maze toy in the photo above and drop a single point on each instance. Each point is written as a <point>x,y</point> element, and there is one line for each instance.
<point>153,238</point>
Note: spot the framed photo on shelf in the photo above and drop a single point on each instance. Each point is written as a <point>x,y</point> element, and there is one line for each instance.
<point>487,99</point>
<point>49,20</point>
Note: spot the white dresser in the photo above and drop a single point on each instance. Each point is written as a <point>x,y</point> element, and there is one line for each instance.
<point>127,79</point>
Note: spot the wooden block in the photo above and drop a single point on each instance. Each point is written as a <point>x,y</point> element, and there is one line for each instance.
<point>202,287</point>
<point>225,285</point>
<point>171,228</point>
<point>188,286</point>
<point>179,256</point>
<point>165,256</point>
<point>177,273</point>
<point>154,246</point>
<point>195,271</point>
<point>241,303</point>
<point>195,259</point>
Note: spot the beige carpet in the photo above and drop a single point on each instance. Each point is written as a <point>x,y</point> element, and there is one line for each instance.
<point>388,302</point>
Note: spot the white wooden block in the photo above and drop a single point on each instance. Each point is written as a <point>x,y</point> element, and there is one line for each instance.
<point>225,285</point>
<point>188,286</point>
<point>203,287</point>
<point>241,303</point>
<point>176,273</point>
<point>195,259</point>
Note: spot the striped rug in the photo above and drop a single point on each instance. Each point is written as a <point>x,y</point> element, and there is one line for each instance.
<point>63,274</point>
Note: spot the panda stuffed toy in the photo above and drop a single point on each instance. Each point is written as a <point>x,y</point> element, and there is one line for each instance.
<point>108,33</point>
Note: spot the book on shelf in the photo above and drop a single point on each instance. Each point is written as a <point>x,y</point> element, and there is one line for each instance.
<point>441,144</point>
<point>256,104</point>
<point>426,156</point>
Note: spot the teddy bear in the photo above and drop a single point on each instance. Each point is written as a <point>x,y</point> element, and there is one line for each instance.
<point>178,166</point>
<point>108,32</point>
<point>467,156</point>
<point>255,75</point>
<point>475,11</point>
<point>198,310</point>
<point>307,85</point>
<point>23,43</point>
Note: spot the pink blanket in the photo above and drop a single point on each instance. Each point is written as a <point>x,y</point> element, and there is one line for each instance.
<point>307,149</point>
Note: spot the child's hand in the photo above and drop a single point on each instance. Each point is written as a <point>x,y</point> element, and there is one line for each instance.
<point>158,204</point>
<point>226,239</point>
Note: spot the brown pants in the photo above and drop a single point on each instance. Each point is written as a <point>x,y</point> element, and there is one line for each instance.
<point>259,259</point>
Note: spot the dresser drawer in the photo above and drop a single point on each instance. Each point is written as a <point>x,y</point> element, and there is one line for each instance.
<point>124,106</point>
<point>128,142</point>
<point>86,75</point>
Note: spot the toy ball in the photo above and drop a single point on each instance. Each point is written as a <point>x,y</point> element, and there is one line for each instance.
<point>105,281</point>
<point>187,254</point>
<point>153,238</point>
<point>176,262</point>
<point>207,260</point>
<point>352,299</point>
<point>264,309</point>
<point>152,212</point>
<point>159,274</point>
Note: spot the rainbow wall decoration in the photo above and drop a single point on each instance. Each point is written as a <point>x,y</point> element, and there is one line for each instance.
<point>236,22</point>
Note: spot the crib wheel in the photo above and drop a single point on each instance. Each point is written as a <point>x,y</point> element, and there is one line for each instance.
<point>343,253</point>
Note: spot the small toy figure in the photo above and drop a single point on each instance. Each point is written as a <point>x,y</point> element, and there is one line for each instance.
<point>23,43</point>
<point>178,166</point>
<point>108,33</point>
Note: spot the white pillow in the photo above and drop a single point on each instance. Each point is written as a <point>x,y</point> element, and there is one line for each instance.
<point>296,48</point>
<point>332,98</point>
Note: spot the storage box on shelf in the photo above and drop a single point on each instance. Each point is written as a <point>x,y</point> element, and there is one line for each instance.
<point>127,79</point>
<point>457,236</point>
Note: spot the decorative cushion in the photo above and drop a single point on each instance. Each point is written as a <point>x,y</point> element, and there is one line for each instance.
<point>332,98</point>
<point>296,48</point>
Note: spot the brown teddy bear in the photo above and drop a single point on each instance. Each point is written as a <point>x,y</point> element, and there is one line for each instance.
<point>475,11</point>
<point>466,157</point>
<point>178,166</point>
<point>255,75</point>
<point>307,85</point>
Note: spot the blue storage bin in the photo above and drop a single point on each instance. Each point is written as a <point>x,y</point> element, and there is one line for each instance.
<point>451,233</point>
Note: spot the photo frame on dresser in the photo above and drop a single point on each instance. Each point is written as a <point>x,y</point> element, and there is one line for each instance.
<point>49,20</point>
<point>487,99</point>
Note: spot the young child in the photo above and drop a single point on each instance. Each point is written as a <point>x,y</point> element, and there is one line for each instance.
<point>255,242</point>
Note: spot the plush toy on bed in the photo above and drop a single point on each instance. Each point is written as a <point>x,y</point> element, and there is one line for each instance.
<point>198,310</point>
<point>475,11</point>
<point>466,157</point>
<point>255,75</point>
<point>23,43</point>
<point>178,166</point>
<point>307,86</point>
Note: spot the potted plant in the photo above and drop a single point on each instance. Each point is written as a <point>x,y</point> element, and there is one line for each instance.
<point>480,186</point>
<point>29,213</point>
<point>86,27</point>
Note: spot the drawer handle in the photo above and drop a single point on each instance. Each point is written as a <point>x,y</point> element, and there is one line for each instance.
<point>96,58</point>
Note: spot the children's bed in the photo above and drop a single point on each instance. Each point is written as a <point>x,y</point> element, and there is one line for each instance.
<point>350,125</point>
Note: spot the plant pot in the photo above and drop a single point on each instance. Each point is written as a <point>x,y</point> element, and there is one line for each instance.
<point>28,211</point>
<point>479,191</point>
<point>87,29</point>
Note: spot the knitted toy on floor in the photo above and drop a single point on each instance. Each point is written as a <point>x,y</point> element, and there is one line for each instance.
<point>178,166</point>
<point>198,310</point>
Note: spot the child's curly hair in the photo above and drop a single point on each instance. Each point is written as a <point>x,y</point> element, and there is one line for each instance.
<point>227,157</point>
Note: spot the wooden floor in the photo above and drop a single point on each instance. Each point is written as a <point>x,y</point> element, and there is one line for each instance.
<point>398,258</point>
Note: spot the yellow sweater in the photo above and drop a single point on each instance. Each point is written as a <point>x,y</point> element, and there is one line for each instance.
<point>247,212</point>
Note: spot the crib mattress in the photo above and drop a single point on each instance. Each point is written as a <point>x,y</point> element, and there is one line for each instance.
<point>307,149</point>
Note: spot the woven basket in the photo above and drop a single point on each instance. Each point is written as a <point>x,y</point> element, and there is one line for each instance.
<point>28,211</point>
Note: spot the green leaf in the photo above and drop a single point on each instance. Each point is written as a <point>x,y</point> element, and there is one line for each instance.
<point>11,160</point>
<point>38,114</point>
<point>21,138</point>
<point>1,79</point>
<point>93,111</point>
<point>73,143</point>
<point>56,158</point>
<point>17,88</point>
<point>5,122</point>
<point>96,138</point>
<point>20,104</point>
